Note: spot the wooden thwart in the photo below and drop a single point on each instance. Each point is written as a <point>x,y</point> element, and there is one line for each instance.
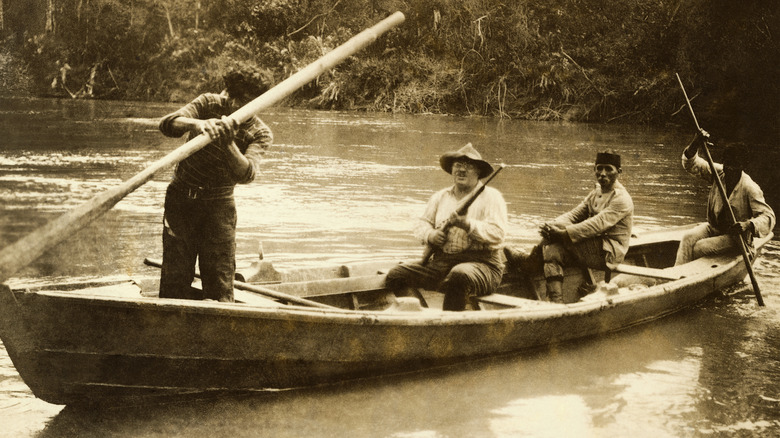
<point>647,272</point>
<point>501,301</point>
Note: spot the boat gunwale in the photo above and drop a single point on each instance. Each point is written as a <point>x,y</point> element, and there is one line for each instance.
<point>721,265</point>
<point>376,317</point>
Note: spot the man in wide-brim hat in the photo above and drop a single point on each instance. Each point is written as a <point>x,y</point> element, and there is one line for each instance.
<point>466,153</point>
<point>467,260</point>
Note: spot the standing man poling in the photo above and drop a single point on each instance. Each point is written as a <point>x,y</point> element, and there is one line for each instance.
<point>467,260</point>
<point>200,211</point>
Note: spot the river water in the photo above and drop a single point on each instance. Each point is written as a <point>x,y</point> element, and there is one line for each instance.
<point>340,187</point>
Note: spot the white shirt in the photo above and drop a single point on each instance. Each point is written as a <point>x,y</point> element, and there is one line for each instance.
<point>487,215</point>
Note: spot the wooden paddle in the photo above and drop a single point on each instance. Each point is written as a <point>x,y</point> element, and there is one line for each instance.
<point>25,250</point>
<point>258,289</point>
<point>722,190</point>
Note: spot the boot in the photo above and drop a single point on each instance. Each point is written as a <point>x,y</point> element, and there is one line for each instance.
<point>555,290</point>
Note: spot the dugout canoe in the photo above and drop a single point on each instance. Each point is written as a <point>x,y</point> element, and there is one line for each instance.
<point>112,342</point>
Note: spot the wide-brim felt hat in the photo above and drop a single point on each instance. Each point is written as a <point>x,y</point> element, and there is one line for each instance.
<point>469,153</point>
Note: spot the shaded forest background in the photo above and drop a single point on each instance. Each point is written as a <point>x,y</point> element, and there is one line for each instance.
<point>605,61</point>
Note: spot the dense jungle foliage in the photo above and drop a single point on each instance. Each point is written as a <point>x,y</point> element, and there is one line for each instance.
<point>577,60</point>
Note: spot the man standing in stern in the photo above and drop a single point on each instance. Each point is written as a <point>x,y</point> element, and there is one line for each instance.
<point>719,235</point>
<point>200,211</point>
<point>467,260</point>
<point>595,234</point>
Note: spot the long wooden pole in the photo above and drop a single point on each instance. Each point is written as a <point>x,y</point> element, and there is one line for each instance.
<point>25,250</point>
<point>258,290</point>
<point>722,190</point>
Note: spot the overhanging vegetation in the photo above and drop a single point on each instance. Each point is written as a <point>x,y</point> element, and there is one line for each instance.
<point>578,60</point>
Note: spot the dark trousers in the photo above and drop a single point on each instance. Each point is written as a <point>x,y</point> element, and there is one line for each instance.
<point>199,224</point>
<point>556,256</point>
<point>459,276</point>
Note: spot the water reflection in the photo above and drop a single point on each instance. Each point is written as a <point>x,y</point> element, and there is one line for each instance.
<point>739,365</point>
<point>588,389</point>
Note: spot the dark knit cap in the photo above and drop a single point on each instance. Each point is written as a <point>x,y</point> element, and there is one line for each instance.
<point>608,158</point>
<point>735,155</point>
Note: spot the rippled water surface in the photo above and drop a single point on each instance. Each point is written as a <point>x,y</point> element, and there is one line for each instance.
<point>339,187</point>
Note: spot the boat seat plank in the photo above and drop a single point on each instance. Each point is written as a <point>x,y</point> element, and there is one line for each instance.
<point>335,286</point>
<point>642,271</point>
<point>501,301</point>
<point>254,299</point>
<point>125,289</point>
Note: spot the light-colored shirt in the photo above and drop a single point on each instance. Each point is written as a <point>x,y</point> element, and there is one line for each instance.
<point>608,215</point>
<point>746,200</point>
<point>487,215</point>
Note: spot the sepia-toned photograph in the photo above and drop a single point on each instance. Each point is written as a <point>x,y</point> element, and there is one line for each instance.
<point>389,218</point>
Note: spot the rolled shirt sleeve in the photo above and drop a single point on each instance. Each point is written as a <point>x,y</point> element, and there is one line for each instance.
<point>488,217</point>
<point>700,168</point>
<point>257,138</point>
<point>763,216</point>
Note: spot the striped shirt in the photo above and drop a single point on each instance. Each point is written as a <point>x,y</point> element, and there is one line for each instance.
<point>488,217</point>
<point>208,167</point>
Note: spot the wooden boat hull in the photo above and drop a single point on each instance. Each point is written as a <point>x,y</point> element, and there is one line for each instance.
<point>75,348</point>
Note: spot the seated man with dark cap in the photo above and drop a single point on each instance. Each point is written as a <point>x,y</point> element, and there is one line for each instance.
<point>467,260</point>
<point>595,234</point>
<point>754,216</point>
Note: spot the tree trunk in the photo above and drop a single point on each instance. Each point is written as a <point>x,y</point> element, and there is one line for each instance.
<point>170,22</point>
<point>197,14</point>
<point>50,16</point>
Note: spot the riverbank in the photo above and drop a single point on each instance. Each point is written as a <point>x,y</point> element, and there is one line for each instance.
<point>15,81</point>
<point>595,61</point>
